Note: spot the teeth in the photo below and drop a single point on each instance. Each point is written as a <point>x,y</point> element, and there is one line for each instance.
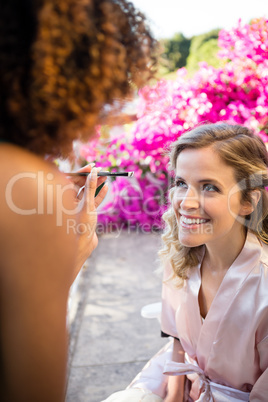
<point>193,221</point>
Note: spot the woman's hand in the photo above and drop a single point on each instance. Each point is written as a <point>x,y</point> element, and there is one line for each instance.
<point>175,398</point>
<point>178,397</point>
<point>87,212</point>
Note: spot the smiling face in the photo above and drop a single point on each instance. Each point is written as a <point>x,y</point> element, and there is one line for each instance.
<point>207,200</point>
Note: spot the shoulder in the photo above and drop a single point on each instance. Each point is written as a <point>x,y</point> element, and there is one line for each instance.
<point>167,271</point>
<point>255,253</point>
<point>264,255</point>
<point>29,185</point>
<point>36,203</point>
<point>18,165</point>
<point>256,287</point>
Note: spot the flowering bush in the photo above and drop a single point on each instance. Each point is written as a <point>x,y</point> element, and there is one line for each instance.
<point>236,93</point>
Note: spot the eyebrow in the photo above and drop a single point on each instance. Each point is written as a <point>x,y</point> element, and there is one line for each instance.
<point>214,181</point>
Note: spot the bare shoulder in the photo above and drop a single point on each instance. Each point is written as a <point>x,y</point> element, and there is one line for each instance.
<point>15,160</point>
<point>36,203</point>
<point>19,166</point>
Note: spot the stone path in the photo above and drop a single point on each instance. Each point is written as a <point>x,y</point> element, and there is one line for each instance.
<point>109,340</point>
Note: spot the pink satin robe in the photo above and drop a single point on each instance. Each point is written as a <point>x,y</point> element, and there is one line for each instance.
<point>228,351</point>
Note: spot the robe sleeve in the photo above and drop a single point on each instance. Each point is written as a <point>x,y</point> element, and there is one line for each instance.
<point>259,391</point>
<point>152,377</point>
<point>169,305</point>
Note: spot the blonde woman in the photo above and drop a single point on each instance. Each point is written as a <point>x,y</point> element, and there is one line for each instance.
<point>215,300</point>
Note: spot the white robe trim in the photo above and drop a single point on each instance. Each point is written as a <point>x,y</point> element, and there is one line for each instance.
<point>210,391</point>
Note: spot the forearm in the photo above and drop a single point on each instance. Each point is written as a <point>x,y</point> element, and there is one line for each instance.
<point>175,389</point>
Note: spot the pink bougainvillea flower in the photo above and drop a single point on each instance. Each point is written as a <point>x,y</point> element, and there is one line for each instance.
<point>236,93</point>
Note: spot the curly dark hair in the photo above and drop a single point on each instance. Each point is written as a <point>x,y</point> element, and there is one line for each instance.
<point>65,65</point>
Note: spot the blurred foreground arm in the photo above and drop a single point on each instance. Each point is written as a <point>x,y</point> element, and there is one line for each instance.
<point>39,252</point>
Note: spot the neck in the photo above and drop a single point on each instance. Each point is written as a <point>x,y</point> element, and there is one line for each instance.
<point>221,255</point>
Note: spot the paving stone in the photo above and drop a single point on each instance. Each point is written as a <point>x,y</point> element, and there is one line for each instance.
<point>109,340</point>
<point>96,383</point>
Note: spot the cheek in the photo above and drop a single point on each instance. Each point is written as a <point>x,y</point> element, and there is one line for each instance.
<point>175,207</point>
<point>234,206</point>
<point>222,211</point>
<point>215,208</point>
<point>176,201</point>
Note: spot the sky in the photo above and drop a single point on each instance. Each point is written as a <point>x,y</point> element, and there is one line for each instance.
<point>194,17</point>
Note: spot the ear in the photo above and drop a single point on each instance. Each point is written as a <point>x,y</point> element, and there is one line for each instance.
<point>247,207</point>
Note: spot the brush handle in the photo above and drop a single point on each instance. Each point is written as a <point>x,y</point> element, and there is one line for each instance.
<point>102,173</point>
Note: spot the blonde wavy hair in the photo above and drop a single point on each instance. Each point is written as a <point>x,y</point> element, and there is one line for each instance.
<point>239,148</point>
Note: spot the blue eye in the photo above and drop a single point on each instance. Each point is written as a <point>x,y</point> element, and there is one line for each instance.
<point>210,187</point>
<point>180,184</point>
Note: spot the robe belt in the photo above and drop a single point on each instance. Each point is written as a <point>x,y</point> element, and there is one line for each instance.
<point>210,391</point>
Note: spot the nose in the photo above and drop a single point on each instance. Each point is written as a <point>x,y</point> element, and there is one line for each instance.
<point>190,200</point>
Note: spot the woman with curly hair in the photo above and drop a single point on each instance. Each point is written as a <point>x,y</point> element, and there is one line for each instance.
<point>65,66</point>
<point>215,252</point>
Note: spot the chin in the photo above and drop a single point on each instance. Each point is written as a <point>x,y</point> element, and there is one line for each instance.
<point>190,241</point>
